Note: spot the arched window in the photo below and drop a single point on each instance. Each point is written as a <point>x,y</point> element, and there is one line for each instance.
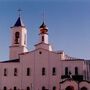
<point>69,88</point>
<point>84,88</point>
<point>4,88</point>
<point>54,88</point>
<point>53,71</point>
<point>17,35</point>
<point>43,71</point>
<point>76,70</point>
<point>28,72</point>
<point>15,88</point>
<point>42,38</point>
<point>15,71</point>
<point>25,39</point>
<point>28,88</point>
<point>5,72</point>
<point>43,88</point>
<point>66,70</point>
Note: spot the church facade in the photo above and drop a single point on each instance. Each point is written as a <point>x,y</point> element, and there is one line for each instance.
<point>42,68</point>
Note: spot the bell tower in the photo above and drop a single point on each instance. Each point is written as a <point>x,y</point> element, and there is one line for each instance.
<point>43,38</point>
<point>43,33</point>
<point>19,39</point>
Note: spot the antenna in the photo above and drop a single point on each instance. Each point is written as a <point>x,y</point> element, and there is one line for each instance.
<point>19,11</point>
<point>43,17</point>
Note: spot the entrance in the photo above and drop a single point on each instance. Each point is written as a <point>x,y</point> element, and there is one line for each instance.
<point>69,88</point>
<point>84,88</point>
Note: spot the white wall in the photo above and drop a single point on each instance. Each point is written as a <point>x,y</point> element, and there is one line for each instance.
<point>36,61</point>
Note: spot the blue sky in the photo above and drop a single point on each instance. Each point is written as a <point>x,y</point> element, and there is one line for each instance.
<point>68,22</point>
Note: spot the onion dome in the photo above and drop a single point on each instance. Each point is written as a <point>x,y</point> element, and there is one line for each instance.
<point>43,29</point>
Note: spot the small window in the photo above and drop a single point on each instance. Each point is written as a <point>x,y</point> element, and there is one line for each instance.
<point>66,70</point>
<point>28,72</point>
<point>15,71</point>
<point>76,70</point>
<point>5,72</point>
<point>40,52</point>
<point>54,88</point>
<point>43,71</point>
<point>42,38</point>
<point>25,39</point>
<point>53,71</point>
<point>15,88</point>
<point>43,88</point>
<point>4,88</point>
<point>28,88</point>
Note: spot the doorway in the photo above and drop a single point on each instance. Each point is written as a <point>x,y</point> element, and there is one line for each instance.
<point>69,88</point>
<point>84,88</point>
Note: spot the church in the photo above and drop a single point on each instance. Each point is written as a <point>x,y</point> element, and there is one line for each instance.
<point>42,68</point>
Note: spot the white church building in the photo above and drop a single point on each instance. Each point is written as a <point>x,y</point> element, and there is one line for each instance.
<point>42,68</point>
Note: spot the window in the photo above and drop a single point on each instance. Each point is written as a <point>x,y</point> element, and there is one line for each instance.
<point>53,71</point>
<point>4,88</point>
<point>15,88</point>
<point>25,39</point>
<point>28,72</point>
<point>43,88</point>
<point>5,72</point>
<point>66,70</point>
<point>42,38</point>
<point>84,88</point>
<point>17,38</point>
<point>69,88</point>
<point>76,70</point>
<point>40,52</point>
<point>28,88</point>
<point>15,71</point>
<point>43,71</point>
<point>54,88</point>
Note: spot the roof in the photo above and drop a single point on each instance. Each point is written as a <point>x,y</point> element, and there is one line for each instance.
<point>19,23</point>
<point>10,61</point>
<point>43,25</point>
